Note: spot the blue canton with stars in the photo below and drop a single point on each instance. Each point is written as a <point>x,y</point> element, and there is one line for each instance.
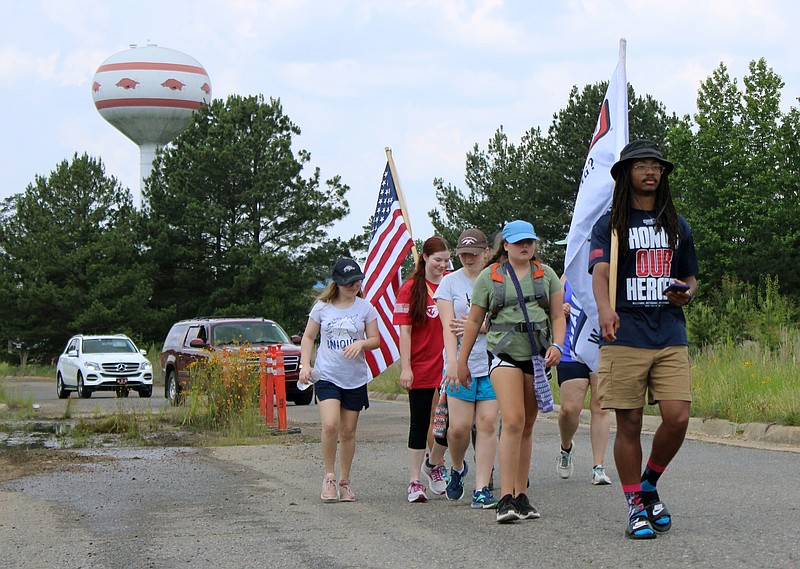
<point>386,197</point>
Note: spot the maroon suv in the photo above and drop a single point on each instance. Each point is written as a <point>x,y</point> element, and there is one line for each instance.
<point>189,340</point>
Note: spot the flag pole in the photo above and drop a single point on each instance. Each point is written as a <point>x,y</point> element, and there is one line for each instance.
<point>402,201</point>
<point>614,259</point>
<point>612,275</point>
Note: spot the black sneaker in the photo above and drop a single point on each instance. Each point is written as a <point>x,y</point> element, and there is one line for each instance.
<point>507,509</point>
<point>525,509</point>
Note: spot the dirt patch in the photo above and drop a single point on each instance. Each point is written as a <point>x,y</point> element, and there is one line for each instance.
<point>19,462</point>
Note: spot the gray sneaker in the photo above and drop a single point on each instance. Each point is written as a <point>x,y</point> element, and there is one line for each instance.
<point>599,476</point>
<point>564,462</point>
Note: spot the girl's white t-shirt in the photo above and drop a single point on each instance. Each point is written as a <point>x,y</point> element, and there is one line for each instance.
<point>338,328</point>
<point>457,288</point>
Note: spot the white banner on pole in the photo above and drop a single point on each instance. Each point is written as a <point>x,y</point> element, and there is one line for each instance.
<point>594,199</point>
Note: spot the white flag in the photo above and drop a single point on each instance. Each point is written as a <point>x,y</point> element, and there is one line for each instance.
<point>594,199</point>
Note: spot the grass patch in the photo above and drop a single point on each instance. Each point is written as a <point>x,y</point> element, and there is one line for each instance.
<point>743,383</point>
<point>388,382</point>
<point>746,383</point>
<point>19,408</point>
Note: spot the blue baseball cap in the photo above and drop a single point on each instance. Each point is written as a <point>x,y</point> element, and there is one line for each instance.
<point>515,231</point>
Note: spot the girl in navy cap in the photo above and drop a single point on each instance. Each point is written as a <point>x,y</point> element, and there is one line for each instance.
<point>348,326</point>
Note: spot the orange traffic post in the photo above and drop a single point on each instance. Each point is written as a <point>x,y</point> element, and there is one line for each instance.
<point>269,405</point>
<point>280,389</point>
<point>262,376</point>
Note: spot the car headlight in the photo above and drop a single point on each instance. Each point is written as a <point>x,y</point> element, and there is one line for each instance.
<point>93,366</point>
<point>146,366</point>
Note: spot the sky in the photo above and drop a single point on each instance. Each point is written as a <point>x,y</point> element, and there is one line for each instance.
<point>428,78</point>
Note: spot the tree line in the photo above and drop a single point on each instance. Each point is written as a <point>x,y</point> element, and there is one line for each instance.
<point>232,224</point>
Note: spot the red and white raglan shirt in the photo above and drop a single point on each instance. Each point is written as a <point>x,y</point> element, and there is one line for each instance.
<point>427,340</point>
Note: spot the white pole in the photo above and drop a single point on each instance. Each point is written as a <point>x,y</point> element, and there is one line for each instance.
<point>147,153</point>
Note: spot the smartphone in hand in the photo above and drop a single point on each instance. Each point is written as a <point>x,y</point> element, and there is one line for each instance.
<point>677,287</point>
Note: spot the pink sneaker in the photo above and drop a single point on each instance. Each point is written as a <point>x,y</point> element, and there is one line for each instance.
<point>330,490</point>
<point>416,492</point>
<point>435,477</point>
<point>346,493</point>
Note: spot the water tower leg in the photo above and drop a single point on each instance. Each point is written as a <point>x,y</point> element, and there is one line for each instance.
<point>147,153</point>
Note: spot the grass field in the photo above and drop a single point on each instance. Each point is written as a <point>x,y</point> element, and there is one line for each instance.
<point>741,383</point>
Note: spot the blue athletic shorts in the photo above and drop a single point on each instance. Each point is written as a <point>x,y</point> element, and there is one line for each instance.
<point>351,399</point>
<point>480,390</point>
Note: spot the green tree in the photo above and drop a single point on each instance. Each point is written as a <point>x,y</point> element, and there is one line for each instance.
<point>71,261</point>
<point>737,179</point>
<point>234,226</point>
<point>537,179</point>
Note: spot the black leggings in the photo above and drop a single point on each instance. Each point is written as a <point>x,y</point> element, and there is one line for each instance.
<point>420,402</point>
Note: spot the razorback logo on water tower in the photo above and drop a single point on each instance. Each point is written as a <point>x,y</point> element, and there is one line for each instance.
<point>149,94</point>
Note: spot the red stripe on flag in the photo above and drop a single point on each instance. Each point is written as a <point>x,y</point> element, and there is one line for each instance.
<point>388,249</point>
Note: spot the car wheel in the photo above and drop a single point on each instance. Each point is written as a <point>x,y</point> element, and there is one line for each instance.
<point>122,391</point>
<point>83,391</point>
<point>304,397</point>
<point>146,391</point>
<point>173,389</point>
<point>61,391</point>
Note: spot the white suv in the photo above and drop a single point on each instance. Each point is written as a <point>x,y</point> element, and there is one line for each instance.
<point>103,363</point>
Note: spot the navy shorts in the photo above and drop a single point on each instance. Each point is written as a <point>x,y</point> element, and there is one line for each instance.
<point>351,399</point>
<point>572,370</point>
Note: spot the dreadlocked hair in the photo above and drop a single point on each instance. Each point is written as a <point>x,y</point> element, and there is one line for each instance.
<point>419,288</point>
<point>667,217</point>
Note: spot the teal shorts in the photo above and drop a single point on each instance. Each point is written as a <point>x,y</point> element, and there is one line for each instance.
<point>480,390</point>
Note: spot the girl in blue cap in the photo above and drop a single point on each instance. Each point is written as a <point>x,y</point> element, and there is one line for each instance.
<point>513,278</point>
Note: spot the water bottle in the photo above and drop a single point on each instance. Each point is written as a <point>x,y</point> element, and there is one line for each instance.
<point>314,379</point>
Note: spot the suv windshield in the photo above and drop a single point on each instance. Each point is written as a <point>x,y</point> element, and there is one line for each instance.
<point>108,346</point>
<point>249,333</point>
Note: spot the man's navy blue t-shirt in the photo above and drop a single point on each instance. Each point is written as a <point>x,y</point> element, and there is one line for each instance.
<point>647,318</point>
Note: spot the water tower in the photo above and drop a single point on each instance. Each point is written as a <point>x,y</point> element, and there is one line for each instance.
<point>149,94</point>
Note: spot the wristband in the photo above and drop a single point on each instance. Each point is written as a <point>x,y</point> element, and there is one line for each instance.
<point>560,349</point>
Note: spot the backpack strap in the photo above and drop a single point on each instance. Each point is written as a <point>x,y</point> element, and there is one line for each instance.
<point>540,294</point>
<point>541,330</point>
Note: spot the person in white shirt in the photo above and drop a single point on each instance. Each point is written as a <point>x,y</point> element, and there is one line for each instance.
<point>475,404</point>
<point>348,326</point>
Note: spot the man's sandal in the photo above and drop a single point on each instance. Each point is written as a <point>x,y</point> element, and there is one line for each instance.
<point>659,516</point>
<point>639,527</point>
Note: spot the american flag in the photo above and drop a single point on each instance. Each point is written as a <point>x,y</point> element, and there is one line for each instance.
<point>389,245</point>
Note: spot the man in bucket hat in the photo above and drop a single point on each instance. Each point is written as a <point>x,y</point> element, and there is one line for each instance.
<point>644,347</point>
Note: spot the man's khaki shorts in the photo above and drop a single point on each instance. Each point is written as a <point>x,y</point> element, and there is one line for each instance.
<point>627,373</point>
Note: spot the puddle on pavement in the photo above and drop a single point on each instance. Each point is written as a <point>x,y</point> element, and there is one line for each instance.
<point>56,435</point>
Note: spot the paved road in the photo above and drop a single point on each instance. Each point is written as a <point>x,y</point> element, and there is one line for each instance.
<point>259,506</point>
<point>42,392</point>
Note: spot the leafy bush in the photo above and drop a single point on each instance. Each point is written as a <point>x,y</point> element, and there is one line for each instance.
<point>738,312</point>
<point>224,386</point>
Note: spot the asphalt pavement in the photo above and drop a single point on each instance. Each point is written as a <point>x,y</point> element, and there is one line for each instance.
<point>259,506</point>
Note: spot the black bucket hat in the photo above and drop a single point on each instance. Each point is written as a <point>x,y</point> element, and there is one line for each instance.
<point>638,150</point>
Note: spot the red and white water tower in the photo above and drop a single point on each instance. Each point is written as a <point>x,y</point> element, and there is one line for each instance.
<point>149,94</point>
